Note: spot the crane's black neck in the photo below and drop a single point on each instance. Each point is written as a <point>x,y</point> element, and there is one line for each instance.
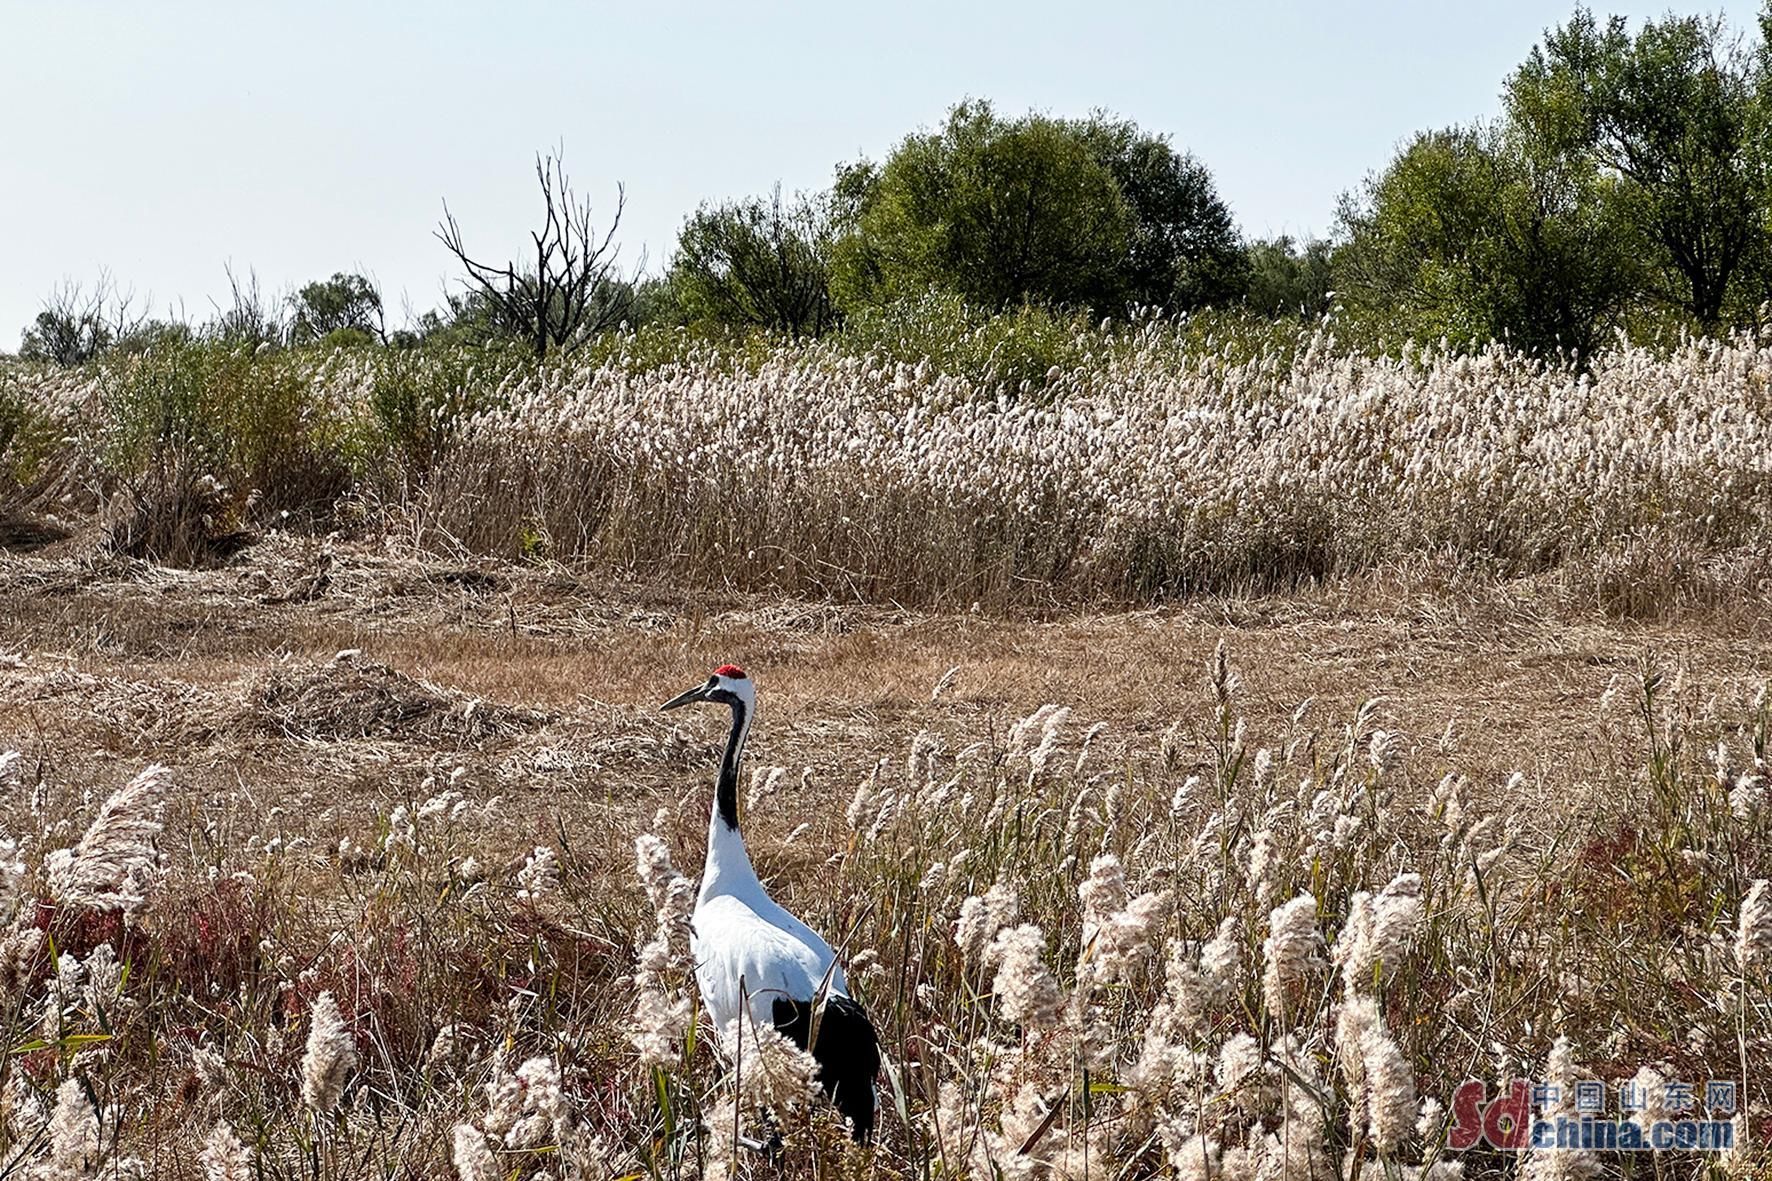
<point>726,794</point>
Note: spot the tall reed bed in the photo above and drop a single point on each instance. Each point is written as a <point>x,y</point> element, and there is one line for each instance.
<point>1148,462</point>
<point>1140,474</point>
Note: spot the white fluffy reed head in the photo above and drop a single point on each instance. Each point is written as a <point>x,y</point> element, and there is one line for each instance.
<point>472,1156</point>
<point>330,1056</point>
<point>1024,987</point>
<point>539,876</point>
<point>1292,951</point>
<point>73,1130</point>
<point>113,864</point>
<point>658,1026</point>
<point>981,917</point>
<point>772,1072</point>
<point>1753,939</point>
<point>224,1157</point>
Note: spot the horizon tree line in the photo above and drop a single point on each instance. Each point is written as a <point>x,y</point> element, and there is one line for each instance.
<point>1626,184</point>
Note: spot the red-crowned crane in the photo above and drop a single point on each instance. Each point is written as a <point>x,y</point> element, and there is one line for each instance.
<point>748,946</point>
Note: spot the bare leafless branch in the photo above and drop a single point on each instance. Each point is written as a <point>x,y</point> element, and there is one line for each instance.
<point>572,290</point>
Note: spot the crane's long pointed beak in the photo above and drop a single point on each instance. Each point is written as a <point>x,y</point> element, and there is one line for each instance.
<point>687,697</point>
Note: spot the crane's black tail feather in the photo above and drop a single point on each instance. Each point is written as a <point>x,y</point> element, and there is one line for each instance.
<point>847,1052</point>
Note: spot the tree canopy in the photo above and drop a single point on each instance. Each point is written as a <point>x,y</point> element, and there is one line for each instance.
<point>1626,183</point>
<point>1629,177</point>
<point>1183,248</point>
<point>761,263</point>
<point>999,212</point>
<point>342,304</point>
<point>1470,236</point>
<point>1088,213</point>
<point>1677,114</point>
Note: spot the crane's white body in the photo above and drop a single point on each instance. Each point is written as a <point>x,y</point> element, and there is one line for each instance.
<point>744,938</point>
<point>755,960</point>
<point>745,943</point>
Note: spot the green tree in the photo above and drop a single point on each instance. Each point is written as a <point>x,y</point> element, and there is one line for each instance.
<point>154,334</point>
<point>1288,278</point>
<point>1090,213</point>
<point>344,303</point>
<point>77,324</point>
<point>1677,114</point>
<point>1183,249</point>
<point>65,337</point>
<point>1470,235</point>
<point>1752,302</point>
<point>655,301</point>
<point>757,263</point>
<point>465,318</point>
<point>997,211</point>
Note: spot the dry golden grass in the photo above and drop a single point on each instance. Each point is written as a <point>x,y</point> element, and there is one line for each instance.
<point>298,857</point>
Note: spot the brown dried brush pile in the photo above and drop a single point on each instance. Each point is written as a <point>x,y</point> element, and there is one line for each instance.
<point>1207,954</point>
<point>353,697</point>
<point>128,713</point>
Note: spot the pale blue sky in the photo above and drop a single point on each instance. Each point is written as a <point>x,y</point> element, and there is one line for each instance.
<point>164,140</point>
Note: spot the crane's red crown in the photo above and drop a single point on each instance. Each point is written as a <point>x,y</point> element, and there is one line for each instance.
<point>730,670</point>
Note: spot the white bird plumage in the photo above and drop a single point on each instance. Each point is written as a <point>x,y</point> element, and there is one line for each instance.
<point>746,945</point>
